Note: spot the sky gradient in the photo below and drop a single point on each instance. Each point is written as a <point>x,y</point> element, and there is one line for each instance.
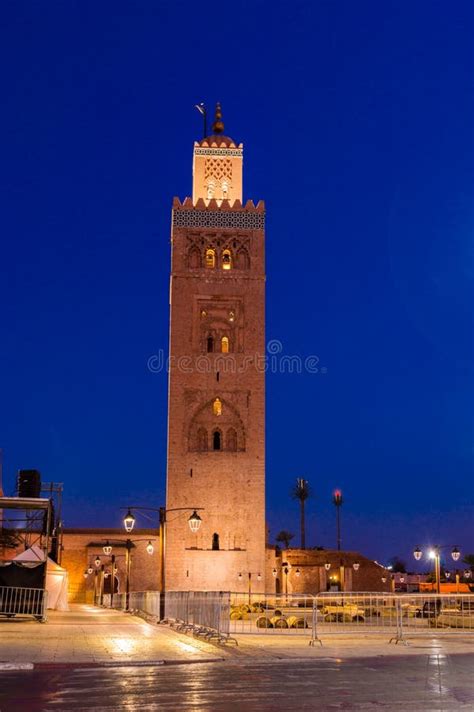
<point>357,123</point>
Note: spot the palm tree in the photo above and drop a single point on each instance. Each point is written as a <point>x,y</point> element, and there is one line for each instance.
<point>301,491</point>
<point>284,537</point>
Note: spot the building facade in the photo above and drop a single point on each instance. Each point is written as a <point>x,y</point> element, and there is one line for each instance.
<point>216,410</point>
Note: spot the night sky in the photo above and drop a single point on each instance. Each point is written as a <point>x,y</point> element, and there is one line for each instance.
<point>357,122</point>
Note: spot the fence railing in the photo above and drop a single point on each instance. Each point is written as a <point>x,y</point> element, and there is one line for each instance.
<point>271,613</point>
<point>16,601</point>
<point>146,602</point>
<point>205,613</point>
<point>217,615</point>
<point>398,615</point>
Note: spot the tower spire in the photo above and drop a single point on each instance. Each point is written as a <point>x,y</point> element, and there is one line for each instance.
<point>218,125</point>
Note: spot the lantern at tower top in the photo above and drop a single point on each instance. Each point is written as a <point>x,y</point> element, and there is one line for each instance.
<point>217,166</point>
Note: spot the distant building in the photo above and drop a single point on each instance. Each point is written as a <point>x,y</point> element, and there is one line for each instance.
<point>316,570</point>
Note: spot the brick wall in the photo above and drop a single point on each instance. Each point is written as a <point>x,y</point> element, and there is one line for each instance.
<point>82,546</point>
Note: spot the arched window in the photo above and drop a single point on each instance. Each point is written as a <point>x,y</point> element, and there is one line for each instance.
<point>217,408</point>
<point>225,344</point>
<point>210,258</point>
<point>210,345</point>
<point>215,542</point>
<point>226,259</point>
<point>231,440</point>
<point>216,440</point>
<point>202,439</point>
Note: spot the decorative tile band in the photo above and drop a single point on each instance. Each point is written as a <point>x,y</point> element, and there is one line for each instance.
<point>213,218</point>
<point>218,151</point>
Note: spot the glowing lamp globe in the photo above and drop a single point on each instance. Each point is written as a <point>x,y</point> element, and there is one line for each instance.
<point>327,566</point>
<point>455,554</point>
<point>356,566</point>
<point>194,522</point>
<point>150,548</point>
<point>107,548</point>
<point>417,553</point>
<point>129,521</point>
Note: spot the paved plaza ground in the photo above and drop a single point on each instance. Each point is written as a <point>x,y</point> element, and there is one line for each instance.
<point>95,659</point>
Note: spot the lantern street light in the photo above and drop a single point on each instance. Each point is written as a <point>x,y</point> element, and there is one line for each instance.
<point>274,572</point>
<point>467,574</point>
<point>327,565</point>
<point>129,521</point>
<point>90,570</point>
<point>356,566</point>
<point>435,553</point>
<point>97,562</point>
<point>129,544</point>
<point>249,573</point>
<point>194,523</point>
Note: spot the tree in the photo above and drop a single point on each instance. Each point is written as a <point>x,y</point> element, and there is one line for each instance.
<point>284,537</point>
<point>398,565</point>
<point>469,560</point>
<point>301,491</point>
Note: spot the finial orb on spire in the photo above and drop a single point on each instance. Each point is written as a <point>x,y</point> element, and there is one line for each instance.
<point>218,125</point>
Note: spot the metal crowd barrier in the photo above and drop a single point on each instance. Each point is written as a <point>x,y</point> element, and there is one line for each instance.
<point>398,615</point>
<point>204,613</point>
<point>290,614</point>
<point>16,601</point>
<point>147,602</point>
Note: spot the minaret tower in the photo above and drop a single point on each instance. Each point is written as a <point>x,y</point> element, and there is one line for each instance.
<point>216,408</point>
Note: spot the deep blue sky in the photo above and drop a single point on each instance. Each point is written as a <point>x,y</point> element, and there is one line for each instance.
<point>357,121</point>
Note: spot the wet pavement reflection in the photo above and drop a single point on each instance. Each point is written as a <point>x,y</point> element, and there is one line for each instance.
<point>425,682</point>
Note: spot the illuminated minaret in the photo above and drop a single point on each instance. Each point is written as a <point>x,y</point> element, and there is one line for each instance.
<point>216,418</point>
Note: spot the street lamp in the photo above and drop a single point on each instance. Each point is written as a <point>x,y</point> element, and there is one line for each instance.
<point>90,570</point>
<point>97,562</point>
<point>194,523</point>
<point>129,521</point>
<point>435,553</point>
<point>356,565</point>
<point>467,574</point>
<point>327,565</point>
<point>107,549</point>
<point>274,572</point>
<point>241,578</point>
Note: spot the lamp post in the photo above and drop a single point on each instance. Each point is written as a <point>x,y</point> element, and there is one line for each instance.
<point>337,501</point>
<point>129,543</point>
<point>194,522</point>
<point>259,578</point>
<point>435,553</point>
